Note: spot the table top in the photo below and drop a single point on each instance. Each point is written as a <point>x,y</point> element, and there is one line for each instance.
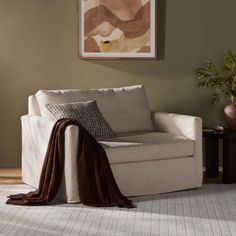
<point>226,133</point>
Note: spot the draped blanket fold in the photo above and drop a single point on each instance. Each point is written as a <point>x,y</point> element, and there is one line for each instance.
<point>96,183</point>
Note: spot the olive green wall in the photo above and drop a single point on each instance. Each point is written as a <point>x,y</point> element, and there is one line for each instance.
<point>38,51</point>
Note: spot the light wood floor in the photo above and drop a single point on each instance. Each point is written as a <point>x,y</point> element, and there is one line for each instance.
<point>10,176</point>
<point>13,176</point>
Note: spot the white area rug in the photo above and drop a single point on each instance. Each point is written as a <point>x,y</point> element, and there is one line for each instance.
<point>210,210</point>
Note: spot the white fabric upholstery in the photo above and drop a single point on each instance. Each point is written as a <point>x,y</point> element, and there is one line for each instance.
<point>168,159</point>
<point>189,126</point>
<point>33,107</point>
<point>125,109</point>
<point>160,176</point>
<point>147,147</point>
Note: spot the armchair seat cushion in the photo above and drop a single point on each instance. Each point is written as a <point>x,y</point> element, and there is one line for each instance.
<point>147,146</point>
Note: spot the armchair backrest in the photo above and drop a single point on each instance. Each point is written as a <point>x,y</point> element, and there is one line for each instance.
<point>126,109</point>
<point>33,107</point>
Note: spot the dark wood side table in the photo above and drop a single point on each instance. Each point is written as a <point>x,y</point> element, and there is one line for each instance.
<point>229,154</point>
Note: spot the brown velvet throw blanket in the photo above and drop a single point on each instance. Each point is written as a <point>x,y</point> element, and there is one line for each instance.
<point>96,183</point>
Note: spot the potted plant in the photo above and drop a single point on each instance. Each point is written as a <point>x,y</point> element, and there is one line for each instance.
<point>222,79</point>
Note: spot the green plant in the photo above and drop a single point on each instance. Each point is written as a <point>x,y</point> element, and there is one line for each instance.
<point>220,78</point>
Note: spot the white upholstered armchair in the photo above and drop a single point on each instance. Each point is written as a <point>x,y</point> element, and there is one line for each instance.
<point>152,153</point>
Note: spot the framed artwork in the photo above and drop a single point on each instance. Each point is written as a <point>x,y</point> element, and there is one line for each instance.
<point>117,29</point>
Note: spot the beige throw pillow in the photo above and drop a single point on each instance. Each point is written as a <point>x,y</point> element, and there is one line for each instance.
<point>87,114</point>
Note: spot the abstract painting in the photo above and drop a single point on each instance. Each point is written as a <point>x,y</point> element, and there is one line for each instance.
<point>117,29</point>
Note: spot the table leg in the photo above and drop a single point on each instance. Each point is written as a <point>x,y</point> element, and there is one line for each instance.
<point>229,161</point>
<point>212,157</point>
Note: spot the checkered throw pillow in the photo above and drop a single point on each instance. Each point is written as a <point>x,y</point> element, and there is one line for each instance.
<point>87,114</point>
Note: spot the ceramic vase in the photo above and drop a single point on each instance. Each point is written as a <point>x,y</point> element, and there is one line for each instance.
<point>230,114</point>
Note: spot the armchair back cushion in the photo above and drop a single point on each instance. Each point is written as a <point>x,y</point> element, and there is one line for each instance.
<point>126,109</point>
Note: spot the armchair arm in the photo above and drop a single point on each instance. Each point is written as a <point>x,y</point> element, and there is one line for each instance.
<point>188,126</point>
<point>36,132</point>
<point>35,136</point>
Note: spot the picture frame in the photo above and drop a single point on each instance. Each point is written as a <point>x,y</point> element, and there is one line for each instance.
<point>113,29</point>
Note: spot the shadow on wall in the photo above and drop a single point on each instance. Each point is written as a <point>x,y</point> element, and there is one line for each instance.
<point>149,65</point>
